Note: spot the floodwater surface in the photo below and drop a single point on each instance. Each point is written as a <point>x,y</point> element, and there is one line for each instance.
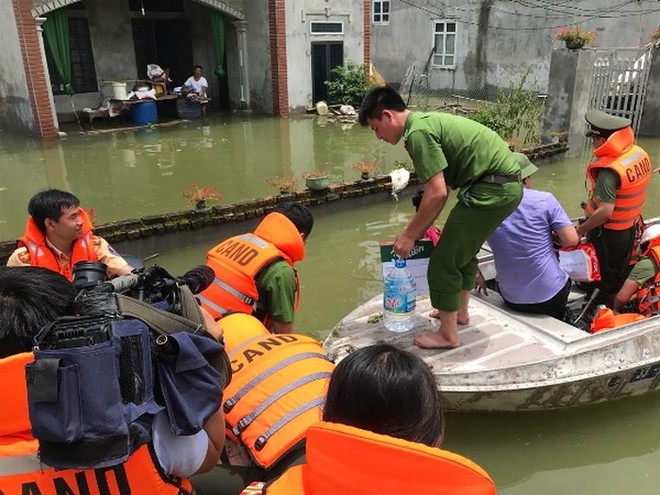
<point>605,449</point>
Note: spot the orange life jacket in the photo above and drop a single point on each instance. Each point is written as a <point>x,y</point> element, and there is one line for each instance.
<point>277,390</point>
<point>350,461</point>
<point>633,166</point>
<point>21,471</point>
<point>648,296</point>
<point>41,255</point>
<point>605,319</point>
<point>238,261</point>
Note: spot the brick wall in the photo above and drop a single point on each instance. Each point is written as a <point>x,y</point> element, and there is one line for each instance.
<point>35,73</point>
<point>277,28</point>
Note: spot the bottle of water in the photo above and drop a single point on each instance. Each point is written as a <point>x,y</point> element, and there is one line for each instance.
<point>399,298</point>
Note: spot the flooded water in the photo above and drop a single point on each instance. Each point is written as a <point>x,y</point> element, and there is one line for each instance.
<point>606,449</point>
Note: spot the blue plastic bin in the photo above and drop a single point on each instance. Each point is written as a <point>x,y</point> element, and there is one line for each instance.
<point>144,113</point>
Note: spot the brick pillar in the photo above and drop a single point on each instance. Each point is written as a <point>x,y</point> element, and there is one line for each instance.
<point>29,35</point>
<point>277,26</point>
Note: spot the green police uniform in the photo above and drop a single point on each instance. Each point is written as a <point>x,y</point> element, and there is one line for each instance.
<point>477,162</point>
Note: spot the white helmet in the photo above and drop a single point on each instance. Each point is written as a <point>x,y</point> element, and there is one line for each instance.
<point>650,233</point>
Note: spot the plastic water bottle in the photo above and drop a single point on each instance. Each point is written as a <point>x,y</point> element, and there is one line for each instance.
<point>399,298</point>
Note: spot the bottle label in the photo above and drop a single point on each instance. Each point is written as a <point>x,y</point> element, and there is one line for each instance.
<point>400,298</point>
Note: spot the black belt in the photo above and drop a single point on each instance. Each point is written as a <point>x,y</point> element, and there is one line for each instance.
<point>499,179</point>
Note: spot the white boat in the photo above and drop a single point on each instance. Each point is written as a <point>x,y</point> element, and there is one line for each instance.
<point>510,361</point>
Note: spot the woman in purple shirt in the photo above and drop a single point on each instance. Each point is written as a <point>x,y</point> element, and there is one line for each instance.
<point>529,277</point>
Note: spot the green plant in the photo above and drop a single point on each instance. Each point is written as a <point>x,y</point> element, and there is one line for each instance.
<point>348,83</point>
<point>576,35</point>
<point>366,167</point>
<point>197,195</point>
<point>403,164</point>
<point>282,184</point>
<point>655,35</point>
<point>516,114</point>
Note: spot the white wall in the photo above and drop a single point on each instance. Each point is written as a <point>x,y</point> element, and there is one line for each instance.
<point>15,109</point>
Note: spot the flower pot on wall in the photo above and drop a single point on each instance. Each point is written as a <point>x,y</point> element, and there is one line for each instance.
<point>574,44</point>
<point>317,183</point>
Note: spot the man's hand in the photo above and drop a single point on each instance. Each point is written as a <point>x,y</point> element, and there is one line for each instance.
<point>403,245</point>
<point>480,284</point>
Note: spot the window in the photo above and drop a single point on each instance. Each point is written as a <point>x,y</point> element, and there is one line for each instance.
<point>83,72</point>
<point>381,11</point>
<point>325,27</point>
<point>444,42</point>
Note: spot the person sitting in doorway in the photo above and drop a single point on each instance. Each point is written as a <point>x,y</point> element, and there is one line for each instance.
<point>642,287</point>
<point>197,87</point>
<point>157,74</point>
<point>59,234</point>
<point>529,277</point>
<point>382,403</point>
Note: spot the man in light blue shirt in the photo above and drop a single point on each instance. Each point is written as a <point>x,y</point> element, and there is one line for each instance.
<point>529,277</point>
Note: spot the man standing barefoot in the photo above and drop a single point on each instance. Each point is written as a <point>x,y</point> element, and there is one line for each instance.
<point>448,152</point>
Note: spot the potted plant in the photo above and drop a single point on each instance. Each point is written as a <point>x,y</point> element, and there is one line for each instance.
<point>284,185</point>
<point>316,180</point>
<point>655,35</point>
<point>366,167</point>
<point>201,196</point>
<point>575,38</point>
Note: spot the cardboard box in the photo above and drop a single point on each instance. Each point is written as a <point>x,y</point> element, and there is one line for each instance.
<point>417,263</point>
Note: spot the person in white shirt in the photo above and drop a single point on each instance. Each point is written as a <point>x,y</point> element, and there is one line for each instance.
<point>197,85</point>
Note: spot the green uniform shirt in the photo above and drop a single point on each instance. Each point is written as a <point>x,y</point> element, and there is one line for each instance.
<point>607,183</point>
<point>277,291</point>
<point>463,150</point>
<point>643,270</point>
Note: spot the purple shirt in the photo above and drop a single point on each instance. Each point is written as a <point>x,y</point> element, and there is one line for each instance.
<point>528,271</point>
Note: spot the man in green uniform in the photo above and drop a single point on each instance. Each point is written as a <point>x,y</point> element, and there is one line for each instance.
<point>448,152</point>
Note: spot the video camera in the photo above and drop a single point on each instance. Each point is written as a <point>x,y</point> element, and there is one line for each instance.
<point>151,285</point>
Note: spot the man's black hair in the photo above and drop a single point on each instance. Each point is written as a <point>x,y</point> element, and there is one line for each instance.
<point>50,204</point>
<point>377,100</point>
<point>300,216</point>
<point>30,297</point>
<point>198,67</point>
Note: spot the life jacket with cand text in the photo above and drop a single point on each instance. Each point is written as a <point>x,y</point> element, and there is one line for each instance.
<point>22,472</point>
<point>278,387</point>
<point>648,296</point>
<point>633,167</point>
<point>351,461</point>
<point>238,261</point>
<point>41,255</point>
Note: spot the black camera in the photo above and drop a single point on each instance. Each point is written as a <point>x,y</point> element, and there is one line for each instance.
<point>151,285</point>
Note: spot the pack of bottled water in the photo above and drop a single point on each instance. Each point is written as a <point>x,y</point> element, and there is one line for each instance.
<point>400,291</point>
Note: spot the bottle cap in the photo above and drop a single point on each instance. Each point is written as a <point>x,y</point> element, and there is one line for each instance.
<point>399,262</point>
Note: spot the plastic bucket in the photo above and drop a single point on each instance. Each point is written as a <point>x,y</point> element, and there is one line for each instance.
<point>144,113</point>
<point>119,90</point>
<point>188,109</point>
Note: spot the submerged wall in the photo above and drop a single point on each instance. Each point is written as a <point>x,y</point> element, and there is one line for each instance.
<point>156,233</point>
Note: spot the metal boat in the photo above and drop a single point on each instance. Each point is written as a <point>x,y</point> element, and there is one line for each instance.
<point>510,361</point>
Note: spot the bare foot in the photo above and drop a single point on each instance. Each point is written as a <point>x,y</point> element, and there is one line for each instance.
<point>463,319</point>
<point>433,340</point>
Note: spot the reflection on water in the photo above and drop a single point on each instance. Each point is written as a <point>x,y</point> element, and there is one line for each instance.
<point>605,449</point>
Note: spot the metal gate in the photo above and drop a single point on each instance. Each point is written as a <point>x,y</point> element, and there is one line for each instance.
<point>619,80</point>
